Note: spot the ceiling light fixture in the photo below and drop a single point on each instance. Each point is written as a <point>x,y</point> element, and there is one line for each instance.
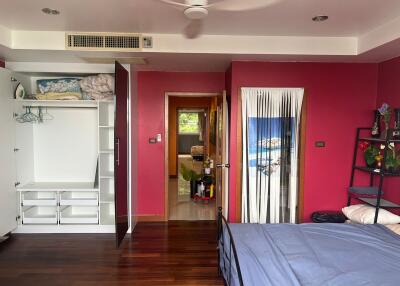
<point>50,11</point>
<point>320,18</point>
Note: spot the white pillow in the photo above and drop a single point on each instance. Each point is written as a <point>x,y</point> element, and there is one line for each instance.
<point>365,214</point>
<point>348,211</point>
<point>394,227</point>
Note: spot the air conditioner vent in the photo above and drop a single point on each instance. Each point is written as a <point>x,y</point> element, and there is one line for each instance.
<point>104,42</point>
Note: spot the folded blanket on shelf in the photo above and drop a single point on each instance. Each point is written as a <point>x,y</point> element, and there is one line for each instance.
<point>59,85</point>
<point>98,87</point>
<point>59,96</point>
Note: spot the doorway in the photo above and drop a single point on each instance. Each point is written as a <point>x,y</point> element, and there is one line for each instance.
<point>191,154</point>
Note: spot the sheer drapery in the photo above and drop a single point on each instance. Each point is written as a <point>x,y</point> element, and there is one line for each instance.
<point>270,134</point>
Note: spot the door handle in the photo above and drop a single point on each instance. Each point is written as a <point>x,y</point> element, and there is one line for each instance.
<point>117,146</point>
<point>227,165</point>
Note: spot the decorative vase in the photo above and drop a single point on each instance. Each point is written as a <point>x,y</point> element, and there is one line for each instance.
<point>385,132</point>
<point>396,131</point>
<point>376,127</point>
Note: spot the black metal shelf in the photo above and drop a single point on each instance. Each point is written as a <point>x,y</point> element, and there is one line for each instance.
<point>372,194</point>
<point>379,140</point>
<point>376,171</point>
<point>383,203</point>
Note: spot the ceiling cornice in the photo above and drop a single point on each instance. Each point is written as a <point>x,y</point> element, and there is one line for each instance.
<point>377,38</point>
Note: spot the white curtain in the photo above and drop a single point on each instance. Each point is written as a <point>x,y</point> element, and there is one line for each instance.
<point>270,134</point>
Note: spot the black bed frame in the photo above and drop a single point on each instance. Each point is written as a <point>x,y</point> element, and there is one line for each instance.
<point>223,226</point>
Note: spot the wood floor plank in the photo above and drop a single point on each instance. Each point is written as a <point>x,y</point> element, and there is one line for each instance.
<point>174,253</point>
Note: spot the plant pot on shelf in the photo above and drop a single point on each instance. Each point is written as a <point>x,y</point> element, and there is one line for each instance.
<point>371,165</point>
<point>192,177</point>
<point>193,188</point>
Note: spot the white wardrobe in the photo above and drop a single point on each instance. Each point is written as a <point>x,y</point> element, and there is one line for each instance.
<point>58,171</point>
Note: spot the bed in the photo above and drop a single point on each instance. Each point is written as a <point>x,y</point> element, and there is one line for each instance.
<point>308,254</point>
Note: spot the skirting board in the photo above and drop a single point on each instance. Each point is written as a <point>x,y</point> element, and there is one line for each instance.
<point>65,229</point>
<point>150,218</point>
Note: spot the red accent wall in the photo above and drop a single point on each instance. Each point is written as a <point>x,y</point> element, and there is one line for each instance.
<point>340,98</point>
<point>151,98</point>
<point>389,92</point>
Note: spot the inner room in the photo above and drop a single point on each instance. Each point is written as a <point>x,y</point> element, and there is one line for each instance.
<point>192,145</point>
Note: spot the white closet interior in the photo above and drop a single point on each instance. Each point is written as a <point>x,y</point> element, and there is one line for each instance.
<point>64,164</point>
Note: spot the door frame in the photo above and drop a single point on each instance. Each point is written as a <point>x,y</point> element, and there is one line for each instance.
<point>239,160</point>
<point>166,138</point>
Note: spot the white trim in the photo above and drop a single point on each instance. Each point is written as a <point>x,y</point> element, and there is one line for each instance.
<point>65,229</point>
<point>43,67</point>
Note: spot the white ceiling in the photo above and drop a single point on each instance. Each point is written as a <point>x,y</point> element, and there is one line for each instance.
<point>285,18</point>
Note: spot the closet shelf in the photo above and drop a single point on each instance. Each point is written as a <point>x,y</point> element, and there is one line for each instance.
<point>58,186</point>
<point>107,151</point>
<point>59,103</point>
<point>106,174</point>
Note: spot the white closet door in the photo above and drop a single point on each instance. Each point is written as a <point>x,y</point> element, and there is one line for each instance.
<point>8,195</point>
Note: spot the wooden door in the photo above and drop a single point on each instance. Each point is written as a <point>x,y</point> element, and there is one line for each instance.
<point>222,164</point>
<point>8,194</point>
<point>121,152</point>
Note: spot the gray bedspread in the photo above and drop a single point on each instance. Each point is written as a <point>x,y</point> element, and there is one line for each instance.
<point>314,254</point>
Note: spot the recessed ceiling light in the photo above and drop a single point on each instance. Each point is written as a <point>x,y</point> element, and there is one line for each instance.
<point>320,18</point>
<point>50,11</point>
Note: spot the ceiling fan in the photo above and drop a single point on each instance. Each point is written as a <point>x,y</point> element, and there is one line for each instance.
<point>197,10</point>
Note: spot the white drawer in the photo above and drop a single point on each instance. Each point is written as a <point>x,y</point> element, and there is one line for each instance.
<point>39,199</point>
<point>39,215</point>
<point>79,198</point>
<point>79,215</point>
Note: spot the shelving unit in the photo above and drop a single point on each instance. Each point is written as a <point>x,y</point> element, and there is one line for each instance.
<point>48,194</point>
<point>106,161</point>
<point>372,194</point>
<point>58,166</point>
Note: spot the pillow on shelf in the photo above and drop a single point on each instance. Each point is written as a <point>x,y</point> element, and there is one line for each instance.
<point>365,214</point>
<point>394,227</point>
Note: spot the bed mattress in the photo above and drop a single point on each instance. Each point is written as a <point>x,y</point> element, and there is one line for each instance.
<point>313,254</point>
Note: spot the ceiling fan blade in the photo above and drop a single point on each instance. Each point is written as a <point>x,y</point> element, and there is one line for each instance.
<point>175,3</point>
<point>243,5</point>
<point>193,29</point>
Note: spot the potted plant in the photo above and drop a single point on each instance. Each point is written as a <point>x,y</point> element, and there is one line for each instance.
<point>190,176</point>
<point>392,163</point>
<point>373,156</point>
<point>371,153</point>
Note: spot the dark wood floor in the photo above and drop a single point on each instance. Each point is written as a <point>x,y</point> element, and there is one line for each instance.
<point>177,253</point>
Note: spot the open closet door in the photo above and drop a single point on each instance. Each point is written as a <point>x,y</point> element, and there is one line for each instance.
<point>222,172</point>
<point>8,194</point>
<point>121,153</point>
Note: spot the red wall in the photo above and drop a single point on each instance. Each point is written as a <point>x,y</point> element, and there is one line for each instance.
<point>389,92</point>
<point>151,98</point>
<point>1,63</point>
<point>340,98</point>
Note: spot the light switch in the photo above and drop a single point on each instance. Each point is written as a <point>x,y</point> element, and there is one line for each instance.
<point>158,137</point>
